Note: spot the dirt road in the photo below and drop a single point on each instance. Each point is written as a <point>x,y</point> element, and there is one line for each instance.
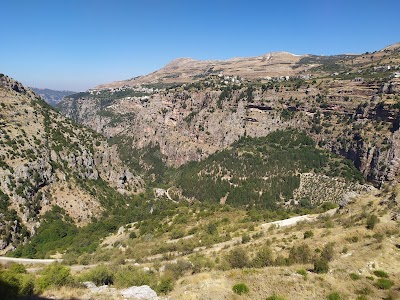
<point>27,261</point>
<point>294,220</point>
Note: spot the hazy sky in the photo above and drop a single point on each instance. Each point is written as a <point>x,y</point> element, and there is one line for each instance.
<point>78,44</point>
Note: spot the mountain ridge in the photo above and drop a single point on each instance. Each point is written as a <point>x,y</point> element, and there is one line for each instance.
<point>195,68</point>
<point>192,67</point>
<point>47,161</point>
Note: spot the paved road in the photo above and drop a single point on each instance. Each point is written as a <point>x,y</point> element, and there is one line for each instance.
<point>27,261</point>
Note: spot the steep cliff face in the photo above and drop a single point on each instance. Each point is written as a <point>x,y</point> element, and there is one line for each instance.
<point>46,160</point>
<point>190,122</point>
<point>349,104</point>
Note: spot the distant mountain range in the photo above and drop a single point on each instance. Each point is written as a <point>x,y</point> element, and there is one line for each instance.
<point>52,97</point>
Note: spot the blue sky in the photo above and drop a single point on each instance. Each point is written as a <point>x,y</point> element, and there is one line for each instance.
<point>78,44</point>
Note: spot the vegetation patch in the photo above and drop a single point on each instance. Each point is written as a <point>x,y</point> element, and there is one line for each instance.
<point>240,289</point>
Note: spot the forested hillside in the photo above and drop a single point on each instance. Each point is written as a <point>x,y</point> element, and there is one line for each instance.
<point>262,171</point>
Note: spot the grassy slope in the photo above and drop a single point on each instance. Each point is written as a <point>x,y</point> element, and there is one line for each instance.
<point>356,254</point>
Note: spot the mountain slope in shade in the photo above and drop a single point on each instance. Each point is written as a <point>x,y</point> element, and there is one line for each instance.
<point>52,97</point>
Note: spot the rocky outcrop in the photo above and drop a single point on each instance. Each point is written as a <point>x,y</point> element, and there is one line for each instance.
<point>143,292</point>
<point>393,157</point>
<point>389,88</point>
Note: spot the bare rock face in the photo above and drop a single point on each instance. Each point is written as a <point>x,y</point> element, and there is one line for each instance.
<point>112,169</point>
<point>393,159</point>
<point>192,124</point>
<point>389,88</point>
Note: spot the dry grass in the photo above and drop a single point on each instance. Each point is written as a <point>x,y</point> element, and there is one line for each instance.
<point>357,250</point>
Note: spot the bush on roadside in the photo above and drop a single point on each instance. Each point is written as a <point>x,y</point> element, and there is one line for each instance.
<point>54,275</point>
<point>15,283</point>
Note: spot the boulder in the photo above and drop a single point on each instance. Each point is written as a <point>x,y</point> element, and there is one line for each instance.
<point>143,292</point>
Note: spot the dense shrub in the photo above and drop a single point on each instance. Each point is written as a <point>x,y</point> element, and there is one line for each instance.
<point>54,275</point>
<point>17,268</point>
<point>237,258</point>
<point>372,220</point>
<point>380,273</point>
<point>384,283</point>
<point>334,296</point>
<point>177,233</point>
<point>245,238</point>
<point>15,284</point>
<point>131,276</point>
<point>300,254</point>
<point>327,253</point>
<point>263,258</point>
<point>321,265</point>
<point>165,285</point>
<point>179,268</point>
<point>240,289</point>
<point>354,276</point>
<point>100,275</point>
<point>9,288</point>
<point>308,234</point>
<point>200,262</point>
